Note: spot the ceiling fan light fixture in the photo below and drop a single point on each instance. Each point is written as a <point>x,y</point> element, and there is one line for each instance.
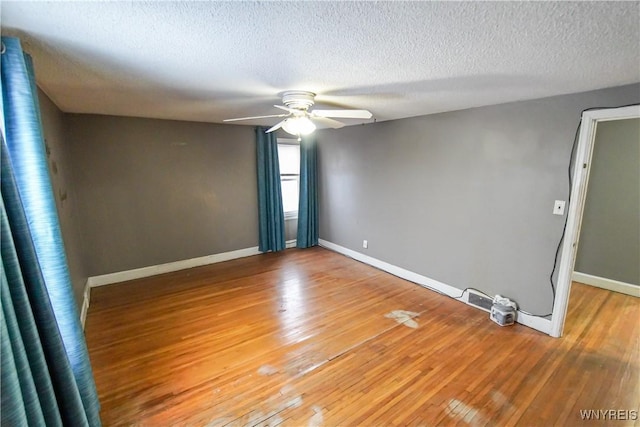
<point>297,120</point>
<point>298,126</point>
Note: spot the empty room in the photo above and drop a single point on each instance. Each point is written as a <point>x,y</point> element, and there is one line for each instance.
<point>363,213</point>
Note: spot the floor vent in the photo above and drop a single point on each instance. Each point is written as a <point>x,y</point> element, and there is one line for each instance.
<point>478,300</point>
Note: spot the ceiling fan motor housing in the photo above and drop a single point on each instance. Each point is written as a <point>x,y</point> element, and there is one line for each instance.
<point>298,99</point>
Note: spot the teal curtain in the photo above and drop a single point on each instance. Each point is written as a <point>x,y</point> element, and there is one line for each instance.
<point>270,211</point>
<point>46,376</point>
<point>308,205</point>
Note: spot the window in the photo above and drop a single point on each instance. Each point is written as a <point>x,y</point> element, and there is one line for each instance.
<point>289,160</point>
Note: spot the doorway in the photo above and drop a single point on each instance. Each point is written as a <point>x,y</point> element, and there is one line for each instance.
<point>581,171</point>
<point>608,252</point>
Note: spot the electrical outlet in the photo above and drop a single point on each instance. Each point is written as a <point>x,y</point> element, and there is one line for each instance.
<point>558,207</point>
<point>365,244</point>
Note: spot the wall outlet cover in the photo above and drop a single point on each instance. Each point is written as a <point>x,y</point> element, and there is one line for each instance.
<point>558,207</point>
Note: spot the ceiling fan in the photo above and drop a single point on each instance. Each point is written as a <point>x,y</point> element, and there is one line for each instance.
<point>298,120</point>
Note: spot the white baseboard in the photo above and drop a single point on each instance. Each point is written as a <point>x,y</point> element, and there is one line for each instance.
<point>538,323</point>
<point>396,271</point>
<point>85,303</point>
<point>601,282</point>
<point>541,324</point>
<point>138,273</point>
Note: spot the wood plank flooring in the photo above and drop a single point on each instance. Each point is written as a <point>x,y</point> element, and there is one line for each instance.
<point>300,338</point>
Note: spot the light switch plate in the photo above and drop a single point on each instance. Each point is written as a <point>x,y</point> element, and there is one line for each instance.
<point>558,207</point>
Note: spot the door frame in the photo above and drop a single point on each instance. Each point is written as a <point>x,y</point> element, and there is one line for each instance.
<point>580,174</point>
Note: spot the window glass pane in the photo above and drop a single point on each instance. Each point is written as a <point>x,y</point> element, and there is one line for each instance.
<point>289,159</point>
<point>290,195</point>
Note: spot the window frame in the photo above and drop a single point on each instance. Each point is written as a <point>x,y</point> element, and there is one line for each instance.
<point>289,177</point>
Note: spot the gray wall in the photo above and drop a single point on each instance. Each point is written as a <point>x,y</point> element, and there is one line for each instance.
<point>158,191</point>
<point>64,191</point>
<point>610,234</point>
<point>465,197</point>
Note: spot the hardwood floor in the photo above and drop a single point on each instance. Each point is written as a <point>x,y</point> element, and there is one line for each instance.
<point>300,338</point>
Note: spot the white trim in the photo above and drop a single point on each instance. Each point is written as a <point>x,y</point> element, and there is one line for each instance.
<point>290,243</point>
<point>534,322</point>
<point>584,151</point>
<point>608,114</point>
<point>85,303</point>
<point>538,323</point>
<point>604,283</point>
<point>390,268</point>
<point>123,276</point>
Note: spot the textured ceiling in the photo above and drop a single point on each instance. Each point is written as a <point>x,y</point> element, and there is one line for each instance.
<point>207,61</point>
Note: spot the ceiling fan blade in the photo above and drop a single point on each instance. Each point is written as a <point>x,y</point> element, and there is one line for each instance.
<point>345,114</point>
<point>276,127</point>
<point>327,122</point>
<point>255,117</point>
<point>282,107</point>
